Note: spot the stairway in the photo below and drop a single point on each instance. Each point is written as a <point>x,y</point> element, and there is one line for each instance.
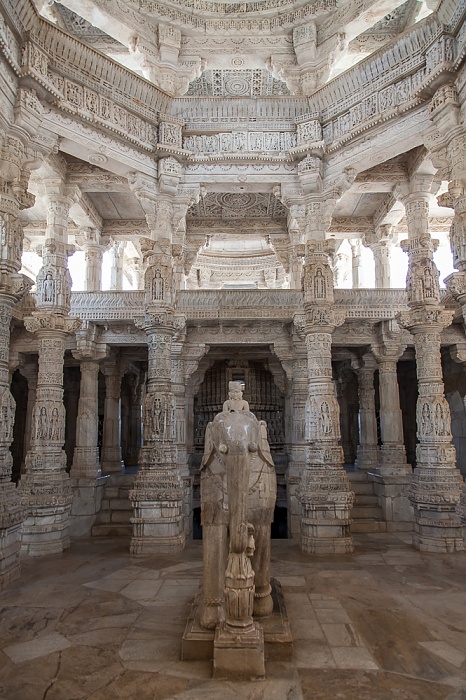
<point>113,519</point>
<point>366,512</point>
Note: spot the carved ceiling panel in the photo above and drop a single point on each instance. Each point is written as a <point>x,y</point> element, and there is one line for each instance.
<point>116,205</point>
<point>237,83</point>
<point>84,31</point>
<point>237,205</point>
<point>393,24</point>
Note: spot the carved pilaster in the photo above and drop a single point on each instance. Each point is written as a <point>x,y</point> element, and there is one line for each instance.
<point>86,453</point>
<point>89,242</point>
<point>381,243</point>
<point>436,486</point>
<point>324,490</point>
<point>368,450</point>
<point>45,489</point>
<point>11,511</point>
<point>13,197</point>
<point>53,280</point>
<point>112,462</point>
<point>157,494</point>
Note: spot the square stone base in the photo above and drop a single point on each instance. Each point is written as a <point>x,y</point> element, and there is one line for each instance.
<point>198,643</point>
<point>239,654</point>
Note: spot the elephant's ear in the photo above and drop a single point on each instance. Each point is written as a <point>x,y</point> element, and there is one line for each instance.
<point>209,447</point>
<point>264,448</point>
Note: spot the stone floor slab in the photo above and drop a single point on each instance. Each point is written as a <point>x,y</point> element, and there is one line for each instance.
<point>41,646</point>
<point>446,652</point>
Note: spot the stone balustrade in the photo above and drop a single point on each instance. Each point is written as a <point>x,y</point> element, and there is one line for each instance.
<point>277,304</point>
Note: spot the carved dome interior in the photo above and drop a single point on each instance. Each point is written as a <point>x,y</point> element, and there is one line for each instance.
<point>209,48</point>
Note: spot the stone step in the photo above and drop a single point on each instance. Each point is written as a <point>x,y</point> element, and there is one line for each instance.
<point>363,499</point>
<point>355,477</point>
<point>366,526</point>
<point>366,512</point>
<point>361,487</point>
<point>113,519</point>
<point>112,530</point>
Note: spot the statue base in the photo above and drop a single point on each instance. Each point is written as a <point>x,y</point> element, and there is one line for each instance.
<point>239,654</point>
<point>198,643</point>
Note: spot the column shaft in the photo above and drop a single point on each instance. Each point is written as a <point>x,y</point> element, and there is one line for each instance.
<point>45,487</point>
<point>111,449</point>
<point>368,450</point>
<point>86,453</point>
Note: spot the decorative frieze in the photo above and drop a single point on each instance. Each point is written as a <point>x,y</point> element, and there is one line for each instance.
<point>241,142</point>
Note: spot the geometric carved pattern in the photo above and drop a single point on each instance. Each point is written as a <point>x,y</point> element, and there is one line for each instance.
<point>232,205</point>
<point>237,83</point>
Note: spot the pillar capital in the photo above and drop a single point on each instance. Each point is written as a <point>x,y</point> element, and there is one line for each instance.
<point>51,324</point>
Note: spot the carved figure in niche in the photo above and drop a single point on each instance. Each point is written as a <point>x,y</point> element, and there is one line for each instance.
<point>238,493</point>
<point>326,423</point>
<point>158,286</point>
<point>427,426</point>
<point>48,288</point>
<point>42,431</point>
<point>157,417</point>
<point>320,285</point>
<point>54,425</point>
<point>428,283</point>
<point>440,427</point>
<point>235,400</point>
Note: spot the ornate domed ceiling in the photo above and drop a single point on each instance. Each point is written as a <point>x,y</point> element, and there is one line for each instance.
<point>211,48</point>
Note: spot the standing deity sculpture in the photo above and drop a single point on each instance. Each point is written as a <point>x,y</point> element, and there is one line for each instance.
<point>48,288</point>
<point>235,401</point>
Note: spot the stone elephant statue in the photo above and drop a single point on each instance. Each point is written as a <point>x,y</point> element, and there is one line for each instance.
<point>236,442</point>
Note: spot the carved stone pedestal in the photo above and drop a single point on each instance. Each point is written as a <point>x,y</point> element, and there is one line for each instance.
<point>326,503</point>
<point>87,500</point>
<point>393,495</point>
<point>239,656</point>
<point>157,499</point>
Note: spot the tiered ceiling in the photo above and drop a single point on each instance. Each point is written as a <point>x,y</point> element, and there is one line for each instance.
<point>207,48</point>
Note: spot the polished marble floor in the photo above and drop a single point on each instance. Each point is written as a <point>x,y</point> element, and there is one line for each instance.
<point>386,623</point>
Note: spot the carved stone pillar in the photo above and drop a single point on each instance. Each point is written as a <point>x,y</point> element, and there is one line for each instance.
<point>14,196</point>
<point>45,487</point>
<point>392,452</point>
<point>381,242</point>
<point>179,394</point>
<point>356,263</point>
<point>29,371</point>
<point>86,480</point>
<point>117,251</point>
<point>437,483</point>
<point>89,240</point>
<point>111,449</point>
<point>325,493</point>
<point>157,495</point>
<point>298,446</point>
<point>393,474</point>
<point>86,453</point>
<point>347,396</point>
<point>368,450</point>
<point>11,511</point>
<point>436,486</point>
<point>135,383</point>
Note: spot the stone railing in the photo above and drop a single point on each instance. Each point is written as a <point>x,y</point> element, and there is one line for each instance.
<point>84,81</point>
<point>107,306</point>
<point>274,113</point>
<point>277,304</point>
<point>273,304</point>
<point>389,82</point>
